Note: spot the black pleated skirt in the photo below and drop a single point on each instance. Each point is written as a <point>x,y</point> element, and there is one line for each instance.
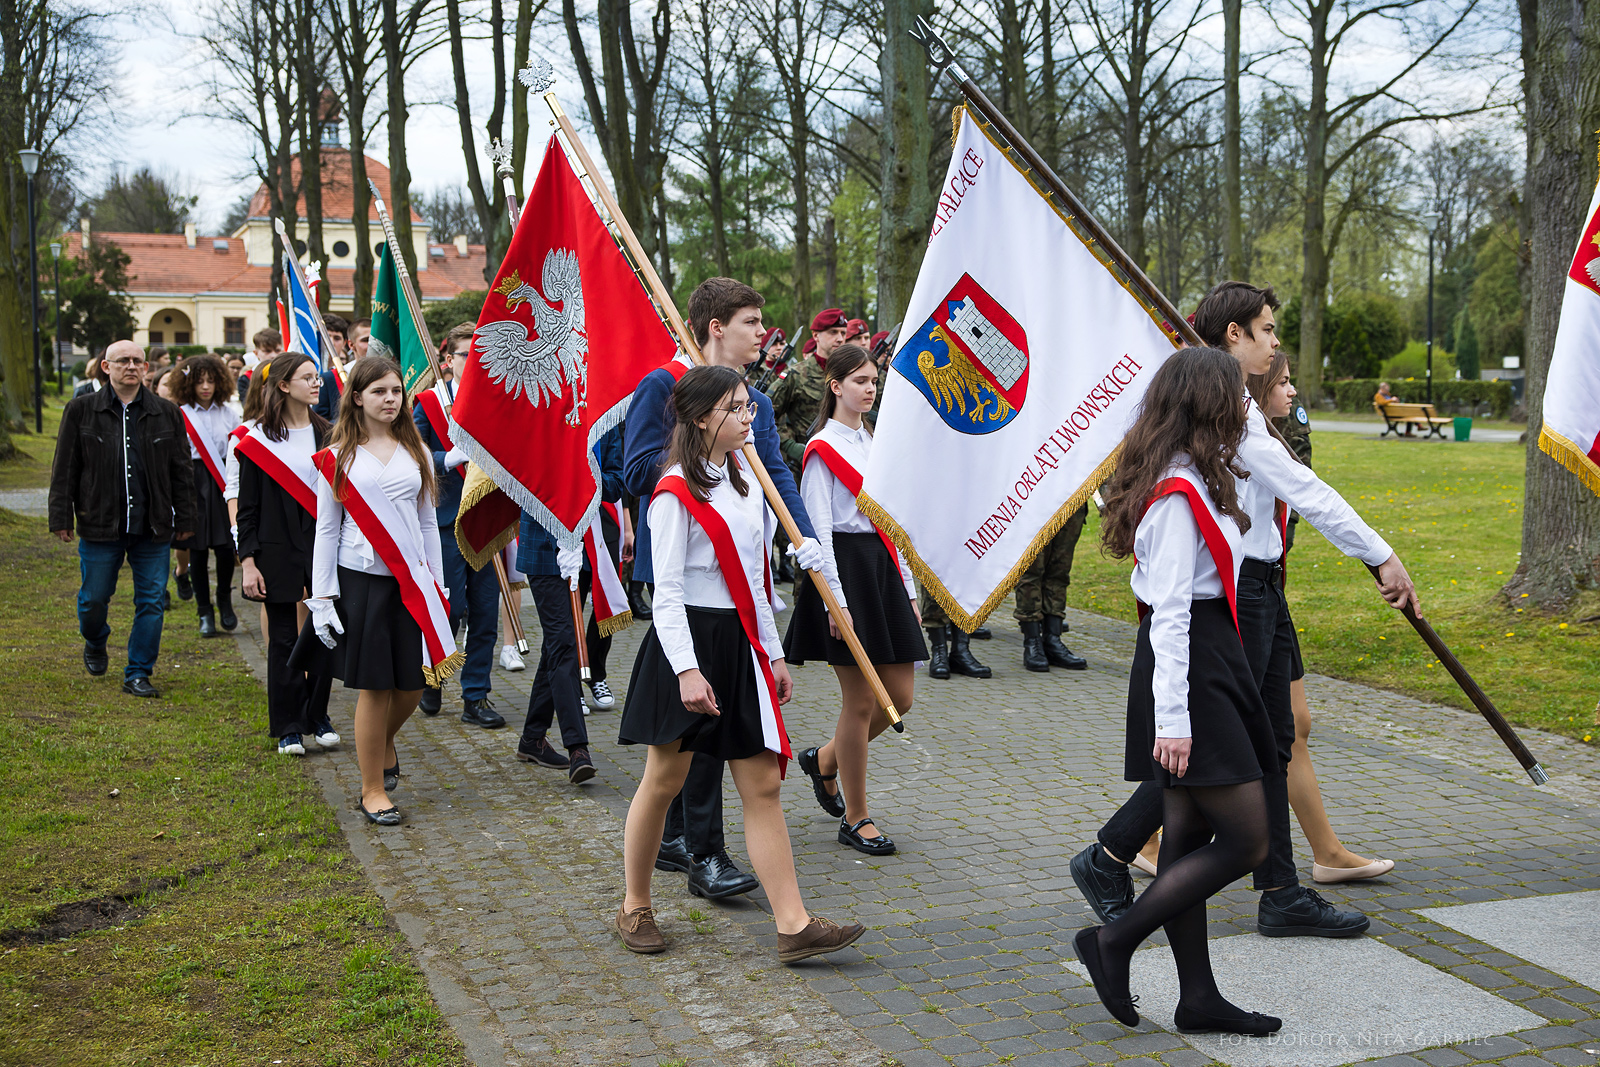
<point>1297,666</point>
<point>382,644</point>
<point>880,610</point>
<point>211,526</point>
<point>654,713</point>
<point>1232,736</point>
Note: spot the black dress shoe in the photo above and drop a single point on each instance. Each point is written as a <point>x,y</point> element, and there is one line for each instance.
<point>938,655</point>
<point>185,587</point>
<point>1106,885</point>
<point>580,766</point>
<point>140,687</point>
<point>636,601</point>
<point>1307,915</point>
<point>832,803</point>
<point>431,700</point>
<point>386,817</point>
<point>94,659</point>
<point>1253,1023</point>
<point>225,613</point>
<point>1116,1001</point>
<point>962,661</point>
<point>482,713</point>
<point>716,877</point>
<point>208,625</point>
<point>1057,653</point>
<point>1033,657</point>
<point>872,846</point>
<point>982,633</point>
<point>391,776</point>
<point>674,856</point>
<point>543,753</point>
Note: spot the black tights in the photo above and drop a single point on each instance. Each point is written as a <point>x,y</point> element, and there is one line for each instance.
<point>1211,835</point>
<point>197,575</point>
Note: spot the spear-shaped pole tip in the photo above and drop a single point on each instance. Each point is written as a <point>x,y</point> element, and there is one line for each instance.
<point>375,194</point>
<point>940,58</point>
<point>277,224</point>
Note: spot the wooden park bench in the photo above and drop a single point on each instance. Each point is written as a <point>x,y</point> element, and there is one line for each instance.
<point>1400,416</point>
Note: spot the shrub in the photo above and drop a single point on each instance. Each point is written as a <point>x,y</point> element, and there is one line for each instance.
<point>1412,362</point>
<point>1449,397</point>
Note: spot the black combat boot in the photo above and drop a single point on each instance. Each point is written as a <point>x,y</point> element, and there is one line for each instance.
<point>938,656</point>
<point>1033,656</point>
<point>1057,653</point>
<point>962,661</point>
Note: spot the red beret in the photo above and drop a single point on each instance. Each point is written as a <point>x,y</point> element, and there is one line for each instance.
<point>877,339</point>
<point>828,319</point>
<point>810,346</point>
<point>856,328</point>
<point>766,338</point>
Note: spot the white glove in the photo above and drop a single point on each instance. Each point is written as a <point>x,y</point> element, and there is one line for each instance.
<point>808,554</point>
<point>454,458</point>
<point>570,560</point>
<point>324,619</point>
<point>750,435</point>
<point>235,531</point>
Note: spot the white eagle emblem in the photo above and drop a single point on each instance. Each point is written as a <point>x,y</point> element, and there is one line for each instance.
<point>558,354</point>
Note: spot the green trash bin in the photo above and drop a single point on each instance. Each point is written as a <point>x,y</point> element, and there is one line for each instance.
<point>1463,428</point>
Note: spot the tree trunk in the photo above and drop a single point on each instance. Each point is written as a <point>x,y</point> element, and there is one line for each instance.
<point>799,174</point>
<point>309,67</point>
<point>1560,516</point>
<point>486,203</point>
<point>907,141</point>
<point>1135,182</point>
<point>830,262</point>
<point>1233,264</point>
<point>399,173</point>
<point>519,93</point>
<point>1313,251</point>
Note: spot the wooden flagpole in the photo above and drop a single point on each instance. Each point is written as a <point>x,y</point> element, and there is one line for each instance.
<point>658,292</point>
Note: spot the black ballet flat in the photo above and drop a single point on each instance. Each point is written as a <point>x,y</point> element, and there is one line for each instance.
<point>872,846</point>
<point>1250,1023</point>
<point>832,803</point>
<point>386,817</point>
<point>1121,1006</point>
<point>391,776</point>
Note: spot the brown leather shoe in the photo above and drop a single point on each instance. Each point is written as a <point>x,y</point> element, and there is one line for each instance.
<point>819,938</point>
<point>640,932</point>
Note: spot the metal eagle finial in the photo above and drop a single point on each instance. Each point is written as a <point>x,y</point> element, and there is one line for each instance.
<point>538,75</point>
<point>500,155</point>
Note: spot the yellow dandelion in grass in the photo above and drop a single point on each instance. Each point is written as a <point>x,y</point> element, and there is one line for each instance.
<point>1511,633</point>
<point>1587,737</point>
<point>1563,626</point>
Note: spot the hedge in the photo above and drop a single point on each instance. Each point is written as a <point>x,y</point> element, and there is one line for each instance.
<point>1450,397</point>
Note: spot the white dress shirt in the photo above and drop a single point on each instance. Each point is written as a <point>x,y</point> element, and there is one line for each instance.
<point>230,466</point>
<point>212,423</point>
<point>1174,568</point>
<point>832,508</point>
<point>1275,469</point>
<point>686,569</point>
<point>340,542</point>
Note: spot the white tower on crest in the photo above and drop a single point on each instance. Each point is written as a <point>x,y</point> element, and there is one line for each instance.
<point>988,345</point>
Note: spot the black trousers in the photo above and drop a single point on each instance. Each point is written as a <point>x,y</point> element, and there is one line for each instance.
<point>1268,634</point>
<point>599,647</point>
<point>557,692</point>
<point>696,812</point>
<point>297,701</point>
<point>202,584</point>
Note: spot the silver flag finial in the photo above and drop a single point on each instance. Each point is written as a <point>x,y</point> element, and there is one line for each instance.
<point>940,58</point>
<point>538,75</point>
<point>500,155</point>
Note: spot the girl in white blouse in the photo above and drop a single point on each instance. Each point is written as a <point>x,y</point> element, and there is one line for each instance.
<point>710,674</point>
<point>353,591</point>
<point>872,583</point>
<point>201,389</point>
<point>1196,721</point>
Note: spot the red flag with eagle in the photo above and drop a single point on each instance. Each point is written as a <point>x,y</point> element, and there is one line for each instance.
<point>547,379</point>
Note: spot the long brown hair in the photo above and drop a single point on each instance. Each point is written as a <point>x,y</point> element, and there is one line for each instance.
<point>349,432</point>
<point>269,375</point>
<point>695,397</point>
<point>1192,406</point>
<point>1261,386</point>
<point>255,393</point>
<point>191,370</point>
<point>845,361</point>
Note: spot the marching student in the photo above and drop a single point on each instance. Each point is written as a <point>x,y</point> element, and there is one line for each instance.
<point>277,532</point>
<point>1197,727</point>
<point>871,582</point>
<point>616,540</point>
<point>161,385</point>
<point>201,389</point>
<point>250,414</point>
<point>710,675</point>
<point>376,574</point>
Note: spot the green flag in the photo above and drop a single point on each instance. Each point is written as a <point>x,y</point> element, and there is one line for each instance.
<point>394,334</point>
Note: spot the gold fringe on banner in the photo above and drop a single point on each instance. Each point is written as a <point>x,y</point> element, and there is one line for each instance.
<point>957,614</point>
<point>479,488</point>
<point>435,676</point>
<point>1570,456</point>
<point>615,624</point>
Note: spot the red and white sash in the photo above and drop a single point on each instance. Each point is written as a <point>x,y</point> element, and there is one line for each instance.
<point>433,407</point>
<point>675,367</point>
<point>403,553</point>
<point>848,477</point>
<point>731,561</point>
<point>1212,527</point>
<point>611,611</point>
<point>207,449</point>
<point>238,432</point>
<point>293,470</point>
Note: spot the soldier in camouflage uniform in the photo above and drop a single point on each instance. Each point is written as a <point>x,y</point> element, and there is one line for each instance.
<point>957,656</point>
<point>1042,597</point>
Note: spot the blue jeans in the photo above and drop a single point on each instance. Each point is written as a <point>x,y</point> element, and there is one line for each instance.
<point>475,597</point>
<point>100,561</point>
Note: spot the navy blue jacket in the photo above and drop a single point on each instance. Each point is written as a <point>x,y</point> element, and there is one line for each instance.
<point>536,549</point>
<point>327,404</point>
<point>649,428</point>
<point>450,482</point>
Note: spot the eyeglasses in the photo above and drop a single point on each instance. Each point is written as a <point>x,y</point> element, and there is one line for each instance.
<point>131,361</point>
<point>741,411</point>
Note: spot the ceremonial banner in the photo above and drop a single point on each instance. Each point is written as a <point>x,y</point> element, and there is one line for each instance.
<point>394,334</point>
<point>1021,364</point>
<point>1571,430</point>
<point>300,316</point>
<point>545,382</point>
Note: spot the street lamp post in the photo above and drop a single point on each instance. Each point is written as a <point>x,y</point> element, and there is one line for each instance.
<point>1431,220</point>
<point>55,256</point>
<point>30,165</point>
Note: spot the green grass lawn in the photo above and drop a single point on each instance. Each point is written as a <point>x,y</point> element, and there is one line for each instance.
<point>1478,422</point>
<point>1453,512</point>
<point>172,891</point>
<point>31,468</point>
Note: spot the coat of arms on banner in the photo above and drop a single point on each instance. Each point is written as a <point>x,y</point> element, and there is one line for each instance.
<point>557,354</point>
<point>969,359</point>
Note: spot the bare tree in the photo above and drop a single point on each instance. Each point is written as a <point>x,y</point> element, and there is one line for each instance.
<point>400,36</point>
<point>907,140</point>
<point>1232,137</point>
<point>355,29</point>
